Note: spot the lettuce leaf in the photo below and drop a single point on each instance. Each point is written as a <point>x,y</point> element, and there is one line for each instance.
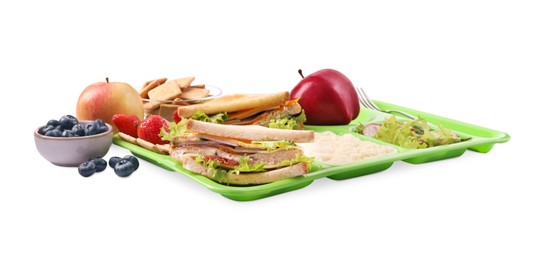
<point>220,172</point>
<point>175,130</point>
<point>299,159</point>
<point>287,122</point>
<point>282,123</point>
<point>217,118</point>
<point>414,134</point>
<point>245,166</point>
<point>274,145</point>
<point>213,166</point>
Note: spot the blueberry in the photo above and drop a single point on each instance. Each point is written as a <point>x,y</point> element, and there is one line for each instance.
<point>53,122</point>
<point>68,121</point>
<point>86,169</point>
<point>68,133</point>
<point>101,126</point>
<point>100,122</point>
<point>45,129</point>
<point>133,160</point>
<point>60,128</point>
<point>100,164</point>
<point>54,133</point>
<point>92,128</point>
<point>124,168</point>
<point>79,129</point>
<point>113,161</point>
<point>103,129</point>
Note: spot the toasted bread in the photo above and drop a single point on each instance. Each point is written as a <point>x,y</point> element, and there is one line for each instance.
<point>234,102</point>
<point>250,132</point>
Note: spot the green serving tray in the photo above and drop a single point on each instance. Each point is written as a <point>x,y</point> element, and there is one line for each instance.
<point>482,140</point>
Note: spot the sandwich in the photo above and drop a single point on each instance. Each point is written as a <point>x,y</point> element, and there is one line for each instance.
<point>274,110</point>
<point>238,154</point>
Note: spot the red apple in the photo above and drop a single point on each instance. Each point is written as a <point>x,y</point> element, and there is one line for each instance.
<point>327,97</point>
<point>102,100</point>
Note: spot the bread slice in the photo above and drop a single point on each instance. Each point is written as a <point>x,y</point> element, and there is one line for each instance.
<point>289,108</point>
<point>234,102</point>
<point>250,132</point>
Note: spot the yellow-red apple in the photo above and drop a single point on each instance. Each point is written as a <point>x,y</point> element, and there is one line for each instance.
<point>102,100</point>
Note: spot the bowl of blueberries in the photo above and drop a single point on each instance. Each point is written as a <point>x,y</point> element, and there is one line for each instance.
<point>68,141</point>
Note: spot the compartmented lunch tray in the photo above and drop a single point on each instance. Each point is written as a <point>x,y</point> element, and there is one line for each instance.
<point>481,140</point>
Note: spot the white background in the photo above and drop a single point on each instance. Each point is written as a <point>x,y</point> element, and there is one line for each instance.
<point>476,61</point>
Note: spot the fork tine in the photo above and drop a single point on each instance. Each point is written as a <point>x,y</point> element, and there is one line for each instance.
<point>366,102</point>
<point>362,99</point>
<point>369,102</point>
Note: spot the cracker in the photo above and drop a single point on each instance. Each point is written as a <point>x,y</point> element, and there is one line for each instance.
<point>149,85</point>
<point>164,148</point>
<point>184,82</point>
<point>194,93</point>
<point>147,145</point>
<point>127,137</point>
<point>198,86</point>
<point>167,91</point>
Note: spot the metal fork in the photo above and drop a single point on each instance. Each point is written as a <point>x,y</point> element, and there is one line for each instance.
<point>366,102</point>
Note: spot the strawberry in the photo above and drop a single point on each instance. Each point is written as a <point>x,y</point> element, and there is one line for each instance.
<point>150,129</point>
<point>126,123</point>
<point>176,117</point>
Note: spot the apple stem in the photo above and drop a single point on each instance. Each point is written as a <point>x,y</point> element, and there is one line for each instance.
<point>107,80</point>
<point>300,72</point>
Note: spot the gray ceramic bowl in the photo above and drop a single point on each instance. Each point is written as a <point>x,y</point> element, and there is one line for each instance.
<point>72,151</point>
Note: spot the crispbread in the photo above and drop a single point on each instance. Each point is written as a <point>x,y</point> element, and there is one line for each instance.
<point>167,91</point>
<point>184,82</point>
<point>234,102</point>
<point>149,85</point>
<point>192,93</point>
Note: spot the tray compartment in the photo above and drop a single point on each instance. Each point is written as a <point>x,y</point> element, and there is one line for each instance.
<point>481,139</point>
<point>352,170</point>
<point>436,156</point>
